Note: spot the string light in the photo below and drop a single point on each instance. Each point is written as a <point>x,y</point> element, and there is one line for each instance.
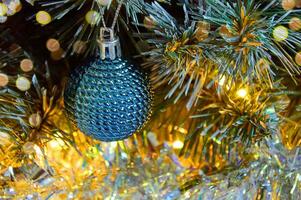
<point>3,9</point>
<point>298,58</point>
<point>221,81</point>
<point>14,6</point>
<point>26,65</point>
<point>280,33</point>
<point>43,17</point>
<point>3,80</point>
<point>23,83</point>
<point>53,45</point>
<point>295,23</point>
<point>92,17</point>
<point>177,144</point>
<point>288,4</point>
<point>242,93</point>
<point>56,144</point>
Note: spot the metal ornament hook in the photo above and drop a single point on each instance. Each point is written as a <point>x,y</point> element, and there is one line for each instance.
<point>109,44</point>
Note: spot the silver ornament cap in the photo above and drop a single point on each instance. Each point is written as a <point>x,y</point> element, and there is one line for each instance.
<point>109,44</point>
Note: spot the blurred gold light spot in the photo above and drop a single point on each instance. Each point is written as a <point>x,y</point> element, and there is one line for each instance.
<point>53,45</point>
<point>43,17</point>
<point>298,58</point>
<point>242,93</point>
<point>177,144</point>
<point>23,83</point>
<point>181,130</point>
<point>280,33</point>
<point>288,4</point>
<point>221,81</point>
<point>92,17</point>
<point>35,120</point>
<point>295,23</point>
<point>57,144</point>
<point>3,80</point>
<point>3,9</point>
<point>15,6</point>
<point>26,65</point>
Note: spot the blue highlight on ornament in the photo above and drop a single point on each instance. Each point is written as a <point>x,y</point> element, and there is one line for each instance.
<point>108,100</point>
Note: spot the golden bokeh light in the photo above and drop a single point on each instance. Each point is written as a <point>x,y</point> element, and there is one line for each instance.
<point>3,9</point>
<point>26,65</point>
<point>53,45</point>
<point>298,58</point>
<point>3,80</point>
<point>23,83</point>
<point>280,33</point>
<point>288,4</point>
<point>92,17</point>
<point>295,23</point>
<point>177,144</point>
<point>242,93</point>
<point>43,17</point>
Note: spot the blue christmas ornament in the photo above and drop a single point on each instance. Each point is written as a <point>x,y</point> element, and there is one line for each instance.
<point>109,98</point>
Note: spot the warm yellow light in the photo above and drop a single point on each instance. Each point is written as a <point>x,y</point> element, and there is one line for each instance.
<point>56,144</point>
<point>177,144</point>
<point>3,80</point>
<point>280,33</point>
<point>221,81</point>
<point>242,93</point>
<point>43,17</point>
<point>26,65</point>
<point>298,58</point>
<point>14,6</point>
<point>3,9</point>
<point>295,24</point>
<point>53,45</point>
<point>92,17</point>
<point>288,4</point>
<point>180,129</point>
<point>23,83</point>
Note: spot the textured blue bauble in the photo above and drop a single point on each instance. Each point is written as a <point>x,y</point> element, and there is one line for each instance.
<point>108,99</point>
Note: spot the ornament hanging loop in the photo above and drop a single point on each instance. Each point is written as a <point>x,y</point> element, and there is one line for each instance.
<point>109,44</point>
